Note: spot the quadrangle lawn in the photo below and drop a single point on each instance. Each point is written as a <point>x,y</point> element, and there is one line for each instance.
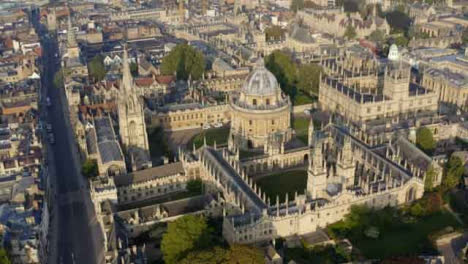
<point>220,135</point>
<point>282,183</point>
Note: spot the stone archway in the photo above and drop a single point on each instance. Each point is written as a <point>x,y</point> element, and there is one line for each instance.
<point>410,194</point>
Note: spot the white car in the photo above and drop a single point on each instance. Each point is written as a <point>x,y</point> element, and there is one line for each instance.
<point>206,126</point>
<point>307,111</point>
<point>219,124</point>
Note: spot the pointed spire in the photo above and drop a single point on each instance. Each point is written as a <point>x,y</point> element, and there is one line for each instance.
<point>126,74</point>
<point>71,40</point>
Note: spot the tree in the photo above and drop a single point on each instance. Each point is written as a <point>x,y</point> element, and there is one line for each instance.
<point>398,21</point>
<point>96,68</point>
<point>134,69</point>
<point>424,140</point>
<point>431,173</point>
<point>240,254</point>
<point>350,32</point>
<point>377,36</point>
<point>58,79</point>
<point>184,235</point>
<point>454,170</point>
<point>235,254</point>
<point>465,36</point>
<point>308,78</point>
<point>4,259</point>
<point>297,5</point>
<point>274,33</point>
<point>185,61</point>
<point>284,69</point>
<point>401,41</point>
<point>90,168</point>
<point>216,255</point>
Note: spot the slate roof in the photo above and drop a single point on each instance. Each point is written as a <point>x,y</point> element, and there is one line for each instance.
<point>149,174</point>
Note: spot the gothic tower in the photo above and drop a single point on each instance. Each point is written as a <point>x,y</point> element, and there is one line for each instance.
<point>131,116</point>
<point>317,173</point>
<point>311,133</point>
<point>345,163</point>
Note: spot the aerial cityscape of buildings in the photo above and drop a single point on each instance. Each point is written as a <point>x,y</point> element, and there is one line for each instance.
<point>233,131</point>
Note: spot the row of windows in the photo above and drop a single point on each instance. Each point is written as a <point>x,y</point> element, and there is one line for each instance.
<point>254,101</point>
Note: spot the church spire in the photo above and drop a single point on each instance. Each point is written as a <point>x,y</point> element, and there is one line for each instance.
<point>126,74</point>
<point>71,40</point>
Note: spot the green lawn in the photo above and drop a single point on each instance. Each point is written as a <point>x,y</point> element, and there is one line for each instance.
<point>301,126</point>
<point>301,99</point>
<point>396,237</point>
<point>282,183</point>
<point>220,135</point>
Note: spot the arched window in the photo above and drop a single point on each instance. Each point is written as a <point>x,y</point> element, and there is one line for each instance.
<point>267,101</point>
<point>254,101</point>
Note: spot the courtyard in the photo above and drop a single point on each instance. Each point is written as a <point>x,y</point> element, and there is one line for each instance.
<point>220,135</point>
<point>279,184</point>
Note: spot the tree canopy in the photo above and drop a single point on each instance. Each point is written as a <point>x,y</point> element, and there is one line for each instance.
<point>350,32</point>
<point>465,36</point>
<point>58,79</point>
<point>96,68</point>
<point>308,78</point>
<point>4,257</point>
<point>274,33</point>
<point>425,141</point>
<point>284,69</point>
<point>377,36</point>
<point>235,254</point>
<point>186,234</point>
<point>90,168</point>
<point>134,69</point>
<point>185,61</point>
<point>431,173</point>
<point>454,170</point>
<point>297,5</point>
<point>398,21</point>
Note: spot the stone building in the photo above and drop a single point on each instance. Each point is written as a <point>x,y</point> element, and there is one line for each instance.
<point>363,92</point>
<point>132,126</point>
<point>336,22</point>
<point>262,95</point>
<point>342,170</point>
<point>451,87</point>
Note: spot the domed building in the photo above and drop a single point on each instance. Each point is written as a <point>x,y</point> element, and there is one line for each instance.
<point>393,54</point>
<point>261,112</point>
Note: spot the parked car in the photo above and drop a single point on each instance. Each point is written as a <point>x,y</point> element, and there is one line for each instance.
<point>206,126</point>
<point>48,102</point>
<point>51,138</point>
<point>219,124</point>
<point>307,111</point>
<point>49,127</point>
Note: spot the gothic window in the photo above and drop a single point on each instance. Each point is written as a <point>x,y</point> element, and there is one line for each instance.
<point>132,133</point>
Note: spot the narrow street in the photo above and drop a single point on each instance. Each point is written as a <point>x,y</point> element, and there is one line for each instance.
<point>75,236</point>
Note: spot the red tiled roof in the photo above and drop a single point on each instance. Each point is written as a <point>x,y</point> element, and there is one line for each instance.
<point>165,79</point>
<point>144,81</point>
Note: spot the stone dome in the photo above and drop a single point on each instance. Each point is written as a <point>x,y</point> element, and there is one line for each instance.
<point>393,53</point>
<point>260,82</point>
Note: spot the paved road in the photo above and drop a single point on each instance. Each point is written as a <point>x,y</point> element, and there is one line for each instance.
<point>75,236</point>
